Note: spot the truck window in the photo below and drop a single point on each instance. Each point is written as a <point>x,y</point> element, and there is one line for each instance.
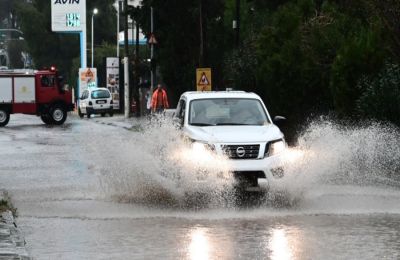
<point>48,81</point>
<point>227,111</point>
<point>180,113</point>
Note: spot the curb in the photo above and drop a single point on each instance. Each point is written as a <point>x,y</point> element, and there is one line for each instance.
<point>126,126</point>
<point>12,242</point>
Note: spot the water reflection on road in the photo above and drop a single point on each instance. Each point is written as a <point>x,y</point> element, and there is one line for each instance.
<point>77,202</point>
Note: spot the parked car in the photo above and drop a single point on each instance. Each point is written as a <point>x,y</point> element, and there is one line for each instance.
<point>236,125</point>
<point>95,101</point>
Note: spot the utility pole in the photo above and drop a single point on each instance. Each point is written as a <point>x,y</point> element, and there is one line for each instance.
<point>126,61</point>
<point>152,52</point>
<point>118,9</point>
<point>201,54</point>
<point>236,23</point>
<point>134,12</point>
<point>137,64</point>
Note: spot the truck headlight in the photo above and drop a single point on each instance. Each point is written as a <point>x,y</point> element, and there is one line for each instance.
<point>275,147</point>
<point>200,148</point>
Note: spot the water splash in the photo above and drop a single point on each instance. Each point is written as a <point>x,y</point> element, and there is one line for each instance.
<point>157,166</point>
<point>332,155</point>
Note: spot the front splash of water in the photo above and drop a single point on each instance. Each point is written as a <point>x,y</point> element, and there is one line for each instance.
<point>157,166</point>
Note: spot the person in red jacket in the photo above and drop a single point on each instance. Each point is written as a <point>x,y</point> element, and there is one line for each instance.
<point>159,100</point>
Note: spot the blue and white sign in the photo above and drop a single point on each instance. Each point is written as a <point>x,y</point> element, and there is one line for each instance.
<point>68,15</point>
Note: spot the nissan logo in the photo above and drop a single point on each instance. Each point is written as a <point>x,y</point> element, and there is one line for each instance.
<point>240,152</point>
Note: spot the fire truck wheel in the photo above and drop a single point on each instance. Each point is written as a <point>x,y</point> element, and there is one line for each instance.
<point>58,114</point>
<point>46,119</point>
<point>4,117</point>
<point>80,113</point>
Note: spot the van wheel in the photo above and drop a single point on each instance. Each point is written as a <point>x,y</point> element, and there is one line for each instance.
<point>46,119</point>
<point>4,117</point>
<point>58,114</point>
<point>80,113</point>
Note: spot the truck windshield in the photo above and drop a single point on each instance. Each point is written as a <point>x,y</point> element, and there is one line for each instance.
<point>100,94</point>
<point>227,111</point>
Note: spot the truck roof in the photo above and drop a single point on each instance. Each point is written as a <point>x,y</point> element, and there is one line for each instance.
<point>18,72</point>
<point>190,95</point>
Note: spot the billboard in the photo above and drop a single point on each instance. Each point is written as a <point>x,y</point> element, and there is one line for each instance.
<point>87,79</point>
<point>112,77</point>
<point>68,15</point>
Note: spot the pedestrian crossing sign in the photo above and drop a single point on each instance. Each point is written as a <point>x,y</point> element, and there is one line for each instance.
<point>203,79</point>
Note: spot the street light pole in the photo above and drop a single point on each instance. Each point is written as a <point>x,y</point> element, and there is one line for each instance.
<point>152,51</point>
<point>126,62</point>
<point>118,8</point>
<point>95,11</point>
<point>118,29</point>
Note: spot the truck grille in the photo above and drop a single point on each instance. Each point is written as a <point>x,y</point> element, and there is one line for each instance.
<point>241,151</point>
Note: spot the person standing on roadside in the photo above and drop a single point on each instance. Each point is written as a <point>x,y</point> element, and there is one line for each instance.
<point>159,100</point>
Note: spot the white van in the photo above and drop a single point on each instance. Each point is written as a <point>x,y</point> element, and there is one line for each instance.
<point>236,125</point>
<point>95,101</point>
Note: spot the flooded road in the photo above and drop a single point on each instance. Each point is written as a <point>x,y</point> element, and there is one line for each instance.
<point>94,191</point>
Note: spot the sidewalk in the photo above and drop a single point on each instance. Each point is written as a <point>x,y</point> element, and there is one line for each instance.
<point>132,123</point>
<point>12,242</point>
<point>119,120</point>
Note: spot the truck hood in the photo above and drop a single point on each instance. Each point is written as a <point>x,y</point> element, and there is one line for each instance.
<point>234,134</point>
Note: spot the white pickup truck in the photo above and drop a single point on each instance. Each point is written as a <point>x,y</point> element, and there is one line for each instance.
<point>237,125</point>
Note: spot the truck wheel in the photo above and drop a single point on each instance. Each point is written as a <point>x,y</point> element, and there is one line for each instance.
<point>111,114</point>
<point>88,115</point>
<point>80,113</point>
<point>4,117</point>
<point>46,119</point>
<point>103,114</point>
<point>58,114</point>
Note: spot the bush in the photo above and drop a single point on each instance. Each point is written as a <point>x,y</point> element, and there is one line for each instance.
<point>380,98</point>
<point>359,55</point>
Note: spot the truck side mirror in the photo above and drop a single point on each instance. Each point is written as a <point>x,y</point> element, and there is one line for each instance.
<point>279,121</point>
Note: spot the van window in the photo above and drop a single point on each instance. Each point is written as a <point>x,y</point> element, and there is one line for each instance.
<point>100,94</point>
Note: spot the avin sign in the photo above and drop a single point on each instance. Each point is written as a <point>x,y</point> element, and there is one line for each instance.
<point>68,15</point>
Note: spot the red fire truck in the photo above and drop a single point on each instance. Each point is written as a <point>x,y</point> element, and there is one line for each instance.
<point>41,93</point>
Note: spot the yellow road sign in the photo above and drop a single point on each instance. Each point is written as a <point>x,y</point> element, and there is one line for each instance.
<point>203,79</point>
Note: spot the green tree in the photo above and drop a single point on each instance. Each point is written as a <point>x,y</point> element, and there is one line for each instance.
<point>380,94</point>
<point>177,29</point>
<point>48,48</point>
<point>359,55</point>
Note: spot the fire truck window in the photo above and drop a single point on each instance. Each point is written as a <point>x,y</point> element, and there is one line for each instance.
<point>48,81</point>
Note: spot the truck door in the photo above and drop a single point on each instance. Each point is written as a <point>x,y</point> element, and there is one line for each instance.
<point>24,95</point>
<point>47,90</point>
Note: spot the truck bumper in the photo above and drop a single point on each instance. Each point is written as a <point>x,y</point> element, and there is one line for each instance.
<point>269,167</point>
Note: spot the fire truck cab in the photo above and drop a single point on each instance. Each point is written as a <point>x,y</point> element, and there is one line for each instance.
<point>41,93</point>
